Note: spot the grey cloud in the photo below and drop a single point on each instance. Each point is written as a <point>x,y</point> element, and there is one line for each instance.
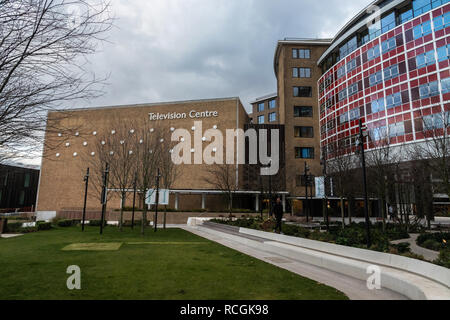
<point>194,49</point>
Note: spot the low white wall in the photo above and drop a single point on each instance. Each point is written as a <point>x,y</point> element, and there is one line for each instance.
<point>425,269</point>
<point>45,215</point>
<point>28,224</point>
<point>192,222</point>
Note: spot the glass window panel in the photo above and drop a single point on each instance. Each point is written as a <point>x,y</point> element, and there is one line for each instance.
<point>388,45</point>
<point>342,94</point>
<point>420,61</point>
<point>261,119</point>
<point>428,123</point>
<point>375,30</point>
<point>430,57</point>
<point>272,104</point>
<point>373,53</point>
<point>445,85</point>
<point>22,198</point>
<point>295,72</point>
<point>341,72</point>
<point>426,28</point>
<point>406,16</point>
<point>294,53</point>
<point>438,23</point>
<point>27,180</point>
<point>424,91</point>
<point>272,117</point>
<point>434,88</point>
<point>303,112</point>
<point>438,121</point>
<point>388,23</point>
<point>417,31</point>
<point>421,6</point>
<point>261,107</point>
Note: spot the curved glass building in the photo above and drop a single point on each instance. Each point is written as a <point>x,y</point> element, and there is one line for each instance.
<point>388,66</point>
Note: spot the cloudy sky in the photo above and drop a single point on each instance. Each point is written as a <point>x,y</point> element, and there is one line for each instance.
<point>169,50</point>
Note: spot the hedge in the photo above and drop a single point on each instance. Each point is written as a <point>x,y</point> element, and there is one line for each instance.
<point>65,223</point>
<point>42,225</point>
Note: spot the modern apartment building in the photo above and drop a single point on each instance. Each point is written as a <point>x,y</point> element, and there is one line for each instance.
<point>266,110</point>
<point>390,68</point>
<point>392,74</point>
<point>297,72</point>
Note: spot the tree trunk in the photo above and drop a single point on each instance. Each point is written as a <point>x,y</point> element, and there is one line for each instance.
<point>383,213</point>
<point>343,212</point>
<point>350,209</point>
<point>165,215</point>
<point>230,205</point>
<point>121,212</point>
<point>144,216</point>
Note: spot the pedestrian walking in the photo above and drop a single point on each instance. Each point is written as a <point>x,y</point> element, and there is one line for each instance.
<point>278,212</point>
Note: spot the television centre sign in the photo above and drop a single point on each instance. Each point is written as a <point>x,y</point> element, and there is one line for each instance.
<point>179,116</point>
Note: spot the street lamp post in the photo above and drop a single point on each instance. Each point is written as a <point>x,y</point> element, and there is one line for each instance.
<point>157,200</point>
<point>261,198</point>
<point>270,191</point>
<point>104,196</point>
<point>134,199</point>
<point>363,163</point>
<point>325,204</point>
<point>306,192</point>
<point>86,181</point>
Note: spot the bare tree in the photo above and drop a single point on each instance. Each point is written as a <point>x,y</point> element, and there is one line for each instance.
<point>169,171</point>
<point>342,171</point>
<point>382,161</point>
<point>121,156</point>
<point>149,144</point>
<point>223,177</point>
<point>44,45</point>
<point>436,147</point>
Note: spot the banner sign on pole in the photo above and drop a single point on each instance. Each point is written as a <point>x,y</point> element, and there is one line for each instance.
<point>150,199</point>
<point>320,187</point>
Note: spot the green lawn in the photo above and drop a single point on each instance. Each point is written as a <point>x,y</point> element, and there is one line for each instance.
<point>171,264</point>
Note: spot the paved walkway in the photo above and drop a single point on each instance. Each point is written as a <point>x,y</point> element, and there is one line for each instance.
<point>355,289</point>
<point>428,254</point>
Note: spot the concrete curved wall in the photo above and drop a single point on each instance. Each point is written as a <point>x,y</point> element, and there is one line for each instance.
<point>413,278</point>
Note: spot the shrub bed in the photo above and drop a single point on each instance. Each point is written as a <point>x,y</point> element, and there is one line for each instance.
<point>28,229</point>
<point>97,223</point>
<point>434,241</point>
<point>42,225</point>
<point>444,258</point>
<point>353,235</point>
<point>14,226</point>
<point>136,223</point>
<point>65,223</point>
